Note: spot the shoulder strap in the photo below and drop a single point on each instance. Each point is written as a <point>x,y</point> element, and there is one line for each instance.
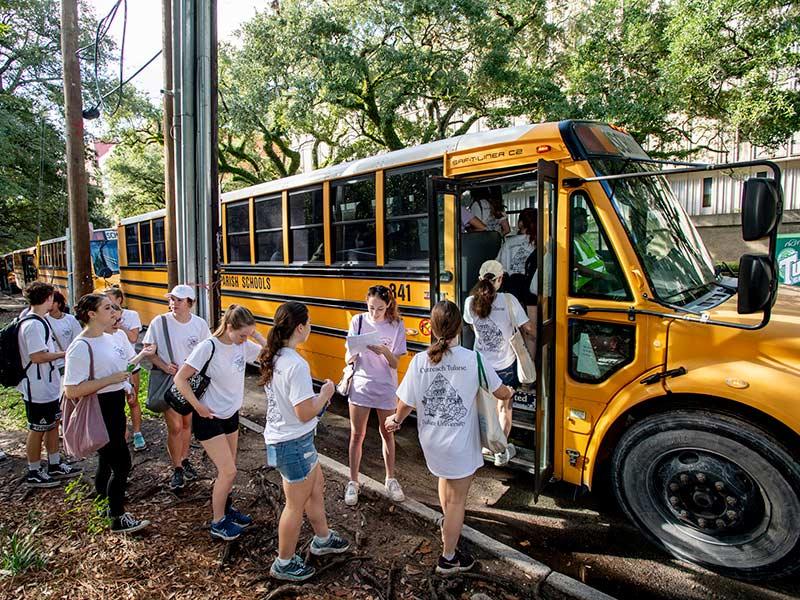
<point>91,357</point>
<point>30,316</point>
<point>360,318</point>
<point>166,337</point>
<point>510,312</point>
<point>482,381</point>
<point>56,340</point>
<point>208,362</point>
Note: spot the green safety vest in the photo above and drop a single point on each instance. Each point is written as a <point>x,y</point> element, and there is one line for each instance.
<point>586,256</point>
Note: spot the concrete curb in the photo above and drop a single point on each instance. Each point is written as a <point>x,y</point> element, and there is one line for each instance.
<point>551,585</point>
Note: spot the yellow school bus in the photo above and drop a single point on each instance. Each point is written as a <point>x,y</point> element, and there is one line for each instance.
<point>656,374</point>
<point>8,280</point>
<point>143,264</point>
<point>24,264</point>
<point>52,260</point>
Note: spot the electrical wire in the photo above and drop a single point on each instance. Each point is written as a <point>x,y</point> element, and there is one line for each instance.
<point>103,27</point>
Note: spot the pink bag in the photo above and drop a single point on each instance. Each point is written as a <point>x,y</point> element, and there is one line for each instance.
<point>82,422</point>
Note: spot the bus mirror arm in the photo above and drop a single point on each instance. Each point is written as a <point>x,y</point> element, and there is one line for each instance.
<point>700,318</point>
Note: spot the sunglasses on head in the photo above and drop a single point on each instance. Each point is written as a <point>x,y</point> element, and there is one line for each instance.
<point>381,291</point>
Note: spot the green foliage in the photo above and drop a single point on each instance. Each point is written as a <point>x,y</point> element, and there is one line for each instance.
<point>77,495</point>
<point>144,378</point>
<point>12,409</point>
<point>19,552</point>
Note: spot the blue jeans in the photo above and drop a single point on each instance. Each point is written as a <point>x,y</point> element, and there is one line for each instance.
<point>294,459</point>
<point>509,375</point>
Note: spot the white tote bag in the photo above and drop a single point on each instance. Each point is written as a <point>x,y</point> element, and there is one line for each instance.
<point>526,369</point>
<point>492,436</point>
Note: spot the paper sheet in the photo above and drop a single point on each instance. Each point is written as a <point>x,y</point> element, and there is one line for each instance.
<point>358,343</point>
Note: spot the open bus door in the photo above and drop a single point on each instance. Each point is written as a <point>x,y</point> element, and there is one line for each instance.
<point>443,239</point>
<point>545,309</point>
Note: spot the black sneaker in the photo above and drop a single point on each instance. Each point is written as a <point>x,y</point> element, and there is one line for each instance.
<point>40,479</point>
<point>127,523</point>
<point>188,470</point>
<point>177,480</point>
<point>461,562</point>
<point>63,471</point>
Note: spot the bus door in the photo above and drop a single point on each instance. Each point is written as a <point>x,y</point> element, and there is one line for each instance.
<point>545,309</point>
<point>443,239</point>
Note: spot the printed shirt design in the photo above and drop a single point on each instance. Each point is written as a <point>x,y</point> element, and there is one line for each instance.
<point>519,254</point>
<point>191,342</point>
<point>443,406</point>
<point>273,412</point>
<point>120,351</point>
<point>238,363</point>
<point>490,338</point>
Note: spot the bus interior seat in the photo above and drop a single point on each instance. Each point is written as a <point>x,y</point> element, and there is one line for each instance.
<point>476,248</point>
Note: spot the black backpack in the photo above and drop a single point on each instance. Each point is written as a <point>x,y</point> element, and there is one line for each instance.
<point>12,371</point>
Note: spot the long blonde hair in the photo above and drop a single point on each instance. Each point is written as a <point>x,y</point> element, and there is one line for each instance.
<point>237,316</point>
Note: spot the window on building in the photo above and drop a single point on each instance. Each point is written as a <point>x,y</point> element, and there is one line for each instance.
<point>406,230</point>
<point>269,229</point>
<point>237,221</point>
<point>147,248</point>
<point>132,244</point>
<point>353,205</point>
<point>708,183</point>
<point>305,223</point>
<point>159,244</point>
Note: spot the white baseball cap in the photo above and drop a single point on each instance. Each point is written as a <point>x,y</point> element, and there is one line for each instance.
<point>491,266</point>
<point>182,291</point>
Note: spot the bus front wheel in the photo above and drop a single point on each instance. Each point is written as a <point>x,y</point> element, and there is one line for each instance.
<point>712,489</point>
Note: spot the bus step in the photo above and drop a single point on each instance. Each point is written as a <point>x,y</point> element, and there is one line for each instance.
<point>524,420</point>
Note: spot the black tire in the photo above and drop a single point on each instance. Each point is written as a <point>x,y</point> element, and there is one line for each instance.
<point>713,490</point>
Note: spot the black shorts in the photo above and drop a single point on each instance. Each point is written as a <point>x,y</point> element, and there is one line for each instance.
<point>205,429</point>
<point>42,416</point>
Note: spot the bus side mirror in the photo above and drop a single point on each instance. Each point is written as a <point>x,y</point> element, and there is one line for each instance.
<point>756,283</point>
<point>760,200</point>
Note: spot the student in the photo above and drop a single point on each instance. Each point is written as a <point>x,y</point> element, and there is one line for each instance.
<point>95,347</point>
<point>292,415</point>
<point>186,330</point>
<point>487,205</point>
<point>441,385</point>
<point>488,313</point>
<point>130,325</point>
<point>374,385</point>
<point>63,326</point>
<point>41,389</point>
<point>215,419</point>
<point>470,222</point>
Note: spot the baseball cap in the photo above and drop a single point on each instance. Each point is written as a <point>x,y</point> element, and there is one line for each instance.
<point>182,291</point>
<point>491,266</point>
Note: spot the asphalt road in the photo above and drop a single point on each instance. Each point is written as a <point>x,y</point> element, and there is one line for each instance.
<point>587,538</point>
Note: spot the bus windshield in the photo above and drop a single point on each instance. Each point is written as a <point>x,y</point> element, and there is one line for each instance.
<point>676,261</point>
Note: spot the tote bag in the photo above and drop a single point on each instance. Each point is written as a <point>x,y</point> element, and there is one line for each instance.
<point>199,383</point>
<point>160,382</point>
<point>526,370</point>
<point>492,436</point>
<point>82,421</point>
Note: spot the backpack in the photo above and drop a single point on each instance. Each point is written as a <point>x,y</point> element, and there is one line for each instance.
<point>12,371</point>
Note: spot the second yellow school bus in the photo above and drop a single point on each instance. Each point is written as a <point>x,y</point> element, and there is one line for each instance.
<point>674,383</point>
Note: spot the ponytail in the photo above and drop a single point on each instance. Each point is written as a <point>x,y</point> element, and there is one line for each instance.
<point>445,326</point>
<point>237,316</point>
<point>288,316</point>
<point>483,295</point>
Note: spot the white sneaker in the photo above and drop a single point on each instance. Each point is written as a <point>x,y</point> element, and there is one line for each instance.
<point>2,455</point>
<point>511,451</point>
<point>351,493</point>
<point>501,458</point>
<point>395,491</point>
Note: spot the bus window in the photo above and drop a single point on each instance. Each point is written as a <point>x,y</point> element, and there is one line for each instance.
<point>147,248</point>
<point>405,194</point>
<point>132,243</point>
<point>238,225</point>
<point>354,220</point>
<point>305,222</point>
<point>599,349</point>
<point>269,229</point>
<point>595,269</point>
<point>159,247</point>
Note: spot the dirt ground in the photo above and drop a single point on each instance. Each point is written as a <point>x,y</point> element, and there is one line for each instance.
<point>393,553</point>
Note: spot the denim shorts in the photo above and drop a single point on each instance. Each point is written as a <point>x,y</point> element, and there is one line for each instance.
<point>509,375</point>
<point>294,459</point>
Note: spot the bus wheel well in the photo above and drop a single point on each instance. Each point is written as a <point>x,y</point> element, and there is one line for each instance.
<point>661,404</point>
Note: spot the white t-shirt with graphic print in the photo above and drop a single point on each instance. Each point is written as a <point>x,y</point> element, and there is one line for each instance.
<point>131,320</point>
<point>183,336</point>
<point>110,356</point>
<point>492,334</point>
<point>64,330</point>
<point>515,252</point>
<point>225,393</point>
<point>291,384</point>
<point>43,378</point>
<point>447,416</point>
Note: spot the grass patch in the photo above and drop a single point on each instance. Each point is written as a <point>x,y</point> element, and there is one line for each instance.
<point>12,409</point>
<point>144,378</point>
<point>77,494</point>
<point>19,553</point>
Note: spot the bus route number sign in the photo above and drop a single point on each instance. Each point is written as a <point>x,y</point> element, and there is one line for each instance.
<point>401,291</point>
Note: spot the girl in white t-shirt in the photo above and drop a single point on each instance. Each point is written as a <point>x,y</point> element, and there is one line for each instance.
<point>441,385</point>
<point>215,419</point>
<point>374,384</point>
<point>63,326</point>
<point>490,315</point>
<point>292,414</point>
<point>95,347</point>
<point>487,205</point>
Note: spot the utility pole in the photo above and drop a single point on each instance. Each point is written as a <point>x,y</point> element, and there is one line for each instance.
<point>82,282</point>
<point>169,146</point>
